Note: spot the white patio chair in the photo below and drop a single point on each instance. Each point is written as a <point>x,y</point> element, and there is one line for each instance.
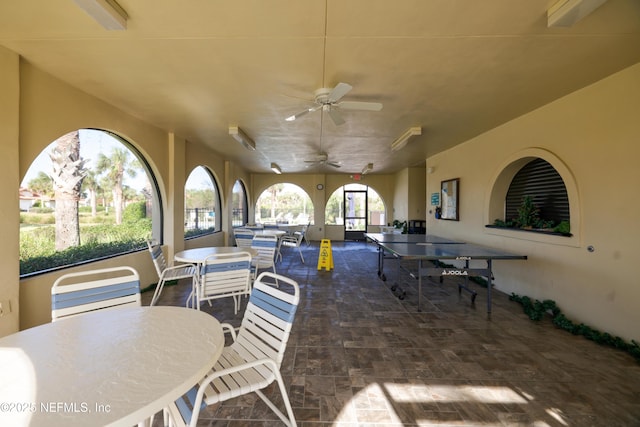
<point>304,233</point>
<point>243,237</point>
<point>252,362</point>
<point>167,272</point>
<point>223,276</point>
<point>292,241</point>
<point>82,292</point>
<point>266,245</point>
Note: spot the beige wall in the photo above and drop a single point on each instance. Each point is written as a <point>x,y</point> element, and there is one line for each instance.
<point>409,194</point>
<point>591,137</point>
<point>48,109</point>
<point>417,194</point>
<point>9,208</point>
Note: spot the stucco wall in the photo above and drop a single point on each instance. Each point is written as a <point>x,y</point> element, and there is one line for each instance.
<point>591,137</point>
<point>9,208</point>
<point>50,108</point>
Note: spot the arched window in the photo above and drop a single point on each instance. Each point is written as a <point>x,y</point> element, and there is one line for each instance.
<point>544,185</point>
<point>284,203</point>
<point>239,205</point>
<point>201,203</point>
<point>88,195</point>
<point>530,193</point>
<point>376,211</point>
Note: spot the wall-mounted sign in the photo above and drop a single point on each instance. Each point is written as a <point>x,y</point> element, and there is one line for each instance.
<point>435,199</point>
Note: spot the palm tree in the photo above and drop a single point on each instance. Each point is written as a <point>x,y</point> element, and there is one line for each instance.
<point>67,173</point>
<point>43,185</point>
<point>91,186</point>
<point>115,167</point>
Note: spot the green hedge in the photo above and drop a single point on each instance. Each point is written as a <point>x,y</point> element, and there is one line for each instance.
<point>37,247</point>
<point>536,310</point>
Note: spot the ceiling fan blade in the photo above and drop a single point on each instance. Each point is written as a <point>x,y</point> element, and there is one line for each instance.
<point>334,164</point>
<point>338,92</point>
<point>302,113</point>
<point>356,105</point>
<point>336,116</point>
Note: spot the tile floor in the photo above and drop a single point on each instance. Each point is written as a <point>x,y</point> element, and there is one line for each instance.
<point>359,356</point>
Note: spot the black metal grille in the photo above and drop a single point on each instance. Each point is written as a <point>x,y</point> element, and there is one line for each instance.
<point>544,184</point>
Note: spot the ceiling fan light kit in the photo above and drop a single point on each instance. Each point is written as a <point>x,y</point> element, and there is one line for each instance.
<point>403,139</point>
<point>275,168</point>
<point>242,138</point>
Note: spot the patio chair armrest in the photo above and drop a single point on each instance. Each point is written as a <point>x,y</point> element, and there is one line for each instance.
<point>180,266</point>
<point>212,375</point>
<point>228,328</point>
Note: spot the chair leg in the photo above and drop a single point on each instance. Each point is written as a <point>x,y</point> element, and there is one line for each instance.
<point>290,420</point>
<point>157,292</point>
<point>192,299</point>
<point>301,257</point>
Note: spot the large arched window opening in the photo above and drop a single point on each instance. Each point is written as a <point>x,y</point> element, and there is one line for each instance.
<point>543,185</point>
<point>355,206</point>
<point>534,192</point>
<point>284,203</point>
<point>239,205</point>
<point>89,195</point>
<point>201,203</point>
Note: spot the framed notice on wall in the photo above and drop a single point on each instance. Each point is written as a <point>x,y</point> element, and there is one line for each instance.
<point>449,196</point>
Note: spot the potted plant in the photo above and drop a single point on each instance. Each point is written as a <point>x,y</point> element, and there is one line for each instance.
<point>400,225</point>
<point>528,219</point>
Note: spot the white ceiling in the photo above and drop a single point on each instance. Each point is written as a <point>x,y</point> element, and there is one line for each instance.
<point>457,68</point>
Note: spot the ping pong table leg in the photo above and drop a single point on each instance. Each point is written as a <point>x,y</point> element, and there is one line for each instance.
<point>419,284</point>
<point>489,286</point>
<point>465,286</point>
<point>381,264</point>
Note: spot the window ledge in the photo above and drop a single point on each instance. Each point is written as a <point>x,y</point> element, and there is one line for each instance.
<point>541,236</point>
<point>531,230</point>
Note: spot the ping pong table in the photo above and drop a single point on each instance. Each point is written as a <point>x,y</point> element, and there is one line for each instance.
<point>380,238</point>
<point>429,248</point>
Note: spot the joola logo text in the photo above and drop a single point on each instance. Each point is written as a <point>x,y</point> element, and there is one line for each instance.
<point>454,273</point>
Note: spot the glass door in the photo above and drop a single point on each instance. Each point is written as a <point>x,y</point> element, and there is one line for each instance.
<point>355,214</point>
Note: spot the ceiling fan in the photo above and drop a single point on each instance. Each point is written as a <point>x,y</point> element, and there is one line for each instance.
<point>323,159</point>
<point>329,100</point>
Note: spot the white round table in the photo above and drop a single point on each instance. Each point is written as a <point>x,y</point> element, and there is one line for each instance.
<point>270,232</point>
<point>198,255</point>
<point>110,367</point>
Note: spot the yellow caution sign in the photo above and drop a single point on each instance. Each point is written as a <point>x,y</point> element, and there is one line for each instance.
<point>325,258</point>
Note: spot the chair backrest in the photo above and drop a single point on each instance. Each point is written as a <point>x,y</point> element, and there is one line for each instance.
<point>225,274</point>
<point>268,318</point>
<point>299,235</point>
<point>157,256</point>
<point>266,245</point>
<point>85,291</point>
<point>243,237</point>
<point>294,239</point>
